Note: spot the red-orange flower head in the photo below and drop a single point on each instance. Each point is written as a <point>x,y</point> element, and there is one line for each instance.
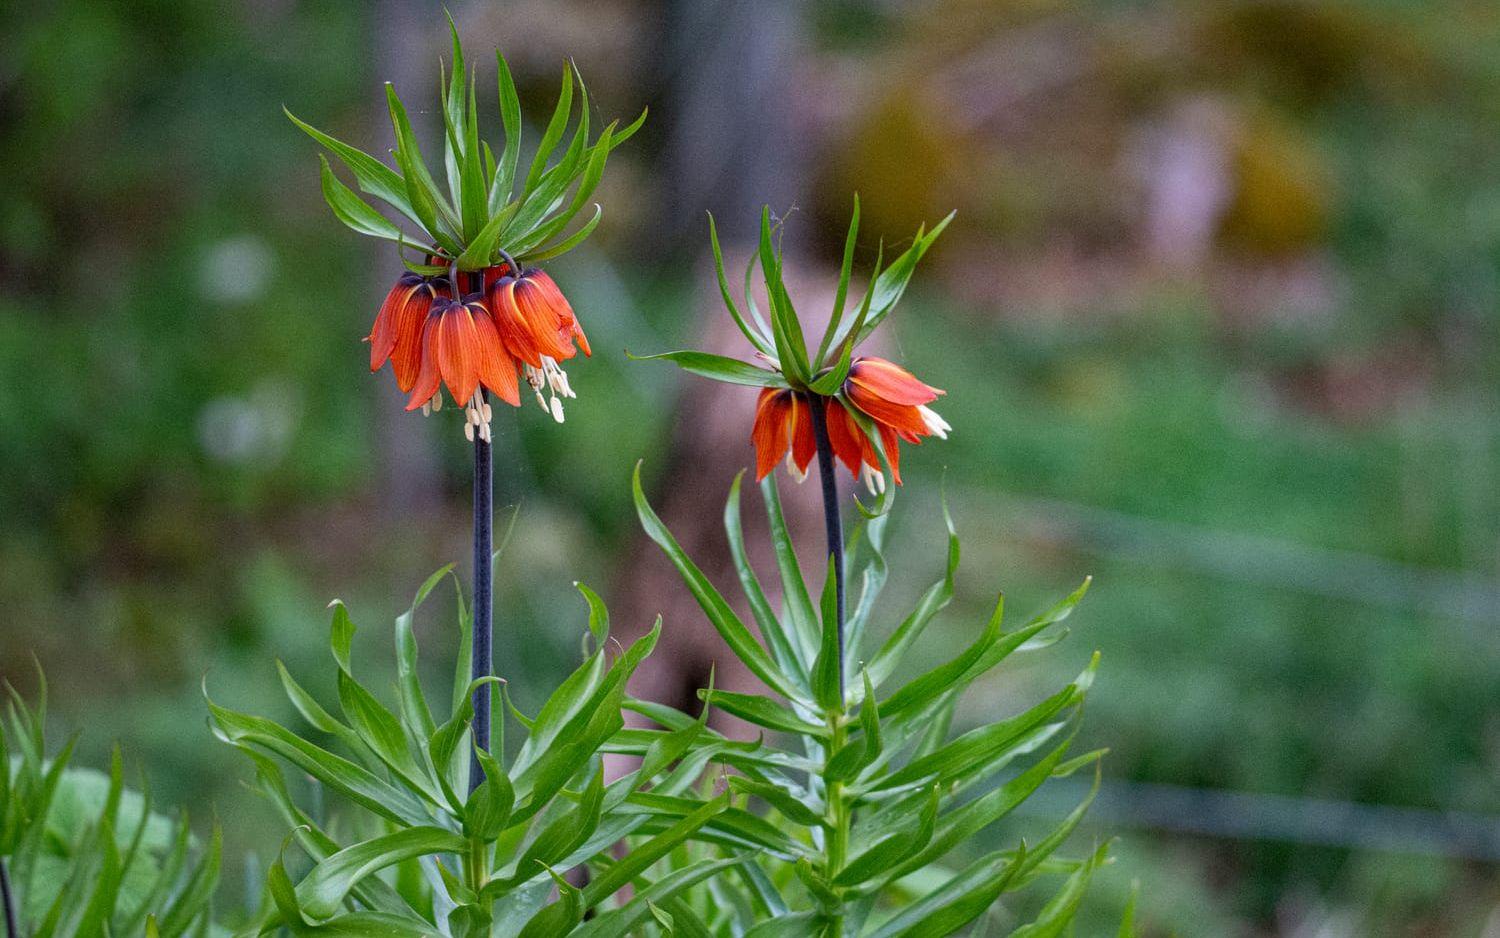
<point>397,334</point>
<point>512,323</point>
<point>537,325</point>
<point>889,395</point>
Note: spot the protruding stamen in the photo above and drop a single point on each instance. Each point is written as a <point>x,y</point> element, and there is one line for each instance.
<point>936,425</point>
<point>873,480</point>
<point>557,409</point>
<point>477,417</point>
<point>791,467</point>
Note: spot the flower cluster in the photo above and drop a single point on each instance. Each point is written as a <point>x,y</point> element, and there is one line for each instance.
<point>889,395</point>
<point>870,405</point>
<point>477,314</point>
<point>513,321</point>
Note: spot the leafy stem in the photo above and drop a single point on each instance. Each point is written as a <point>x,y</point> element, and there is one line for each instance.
<point>839,821</point>
<point>483,640</point>
<point>477,869</point>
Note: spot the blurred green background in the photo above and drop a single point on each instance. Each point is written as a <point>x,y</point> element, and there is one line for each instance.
<point>1217,323</point>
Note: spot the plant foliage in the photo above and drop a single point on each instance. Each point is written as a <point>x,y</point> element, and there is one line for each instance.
<point>86,857</point>
<point>489,203</point>
<point>862,798</point>
<point>490,862</point>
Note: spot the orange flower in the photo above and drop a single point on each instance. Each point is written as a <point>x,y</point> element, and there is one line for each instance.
<point>397,334</point>
<point>889,395</point>
<point>782,419</point>
<point>538,327</point>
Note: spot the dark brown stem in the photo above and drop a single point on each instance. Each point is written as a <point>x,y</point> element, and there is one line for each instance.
<point>12,927</point>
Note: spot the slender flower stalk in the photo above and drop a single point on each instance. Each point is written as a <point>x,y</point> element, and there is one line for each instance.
<point>12,927</point>
<point>832,523</point>
<point>484,630</point>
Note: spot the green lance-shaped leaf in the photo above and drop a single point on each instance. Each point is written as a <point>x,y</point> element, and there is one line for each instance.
<point>1027,637</point>
<point>572,241</point>
<point>617,923</point>
<point>473,183</point>
<point>963,823</point>
<point>453,115</point>
<point>796,925</point>
<point>554,131</point>
<point>384,734</point>
<point>858,753</point>
<point>955,903</point>
<point>388,801</point>
<point>796,602</point>
<point>891,848</point>
<point>869,539</point>
<point>408,685</point>
<point>510,154</point>
<point>756,337</point>
<point>1127,918</point>
<point>374,177</point>
<point>887,288</point>
<point>827,667</point>
<point>319,718</point>
<point>718,367</point>
<point>786,329</point>
<point>421,190</point>
<point>581,738</point>
<point>939,680</point>
<point>372,892</point>
<point>1058,914</point>
<point>771,630</point>
<point>888,659</point>
<point>593,171</point>
<point>564,833</point>
<point>985,742</point>
<point>830,381</point>
<point>763,711</point>
<point>487,811</point>
<point>720,615</point>
<point>354,211</point>
<point>788,804</point>
<point>733,827</point>
<point>842,292</point>
<point>445,744</point>
<point>323,890</point>
<point>642,856</point>
<point>560,917</point>
<point>195,896</point>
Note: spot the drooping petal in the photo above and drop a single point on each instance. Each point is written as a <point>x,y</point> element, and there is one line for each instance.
<point>845,436</point>
<point>540,305</point>
<point>891,382</point>
<point>510,324</point>
<point>769,432</point>
<point>406,357</point>
<point>458,351</point>
<point>804,442</point>
<point>497,370</point>
<point>429,376</point>
<point>904,417</point>
<point>385,333</point>
<point>892,453</point>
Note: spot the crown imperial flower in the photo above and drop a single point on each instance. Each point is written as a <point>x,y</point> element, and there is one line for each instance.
<point>472,315</point>
<point>870,405</point>
<point>889,395</point>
